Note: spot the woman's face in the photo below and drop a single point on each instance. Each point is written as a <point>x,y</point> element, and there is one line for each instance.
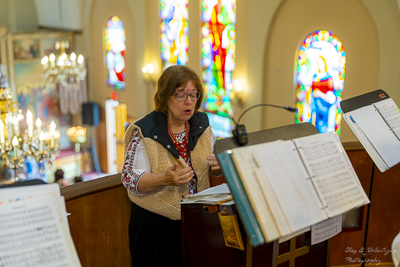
<point>182,110</point>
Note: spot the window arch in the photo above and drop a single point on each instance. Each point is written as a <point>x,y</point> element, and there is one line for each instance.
<point>174,15</point>
<point>218,61</point>
<point>115,46</point>
<point>320,81</point>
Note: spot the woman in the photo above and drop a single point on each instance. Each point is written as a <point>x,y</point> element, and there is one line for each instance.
<point>168,155</point>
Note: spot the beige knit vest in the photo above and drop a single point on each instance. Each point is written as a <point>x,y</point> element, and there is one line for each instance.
<point>166,201</point>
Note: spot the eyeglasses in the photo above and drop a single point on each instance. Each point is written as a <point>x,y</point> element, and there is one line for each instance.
<point>180,96</point>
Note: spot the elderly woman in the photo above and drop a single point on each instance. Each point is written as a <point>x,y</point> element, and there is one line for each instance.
<point>168,155</point>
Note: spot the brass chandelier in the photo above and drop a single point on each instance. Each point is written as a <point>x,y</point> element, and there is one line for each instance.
<point>17,144</point>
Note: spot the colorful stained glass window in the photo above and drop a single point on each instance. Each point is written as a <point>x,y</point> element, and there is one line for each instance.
<point>114,41</point>
<point>174,16</point>
<point>320,81</point>
<point>218,61</point>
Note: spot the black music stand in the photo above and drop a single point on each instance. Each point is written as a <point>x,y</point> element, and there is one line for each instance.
<point>317,253</point>
<point>352,104</point>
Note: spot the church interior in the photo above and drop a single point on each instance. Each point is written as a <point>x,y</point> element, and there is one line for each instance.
<point>87,110</point>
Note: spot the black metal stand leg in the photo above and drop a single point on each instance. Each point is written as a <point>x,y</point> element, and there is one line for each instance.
<point>364,253</point>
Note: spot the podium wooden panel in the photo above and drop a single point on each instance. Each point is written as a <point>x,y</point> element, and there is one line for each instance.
<point>203,245</point>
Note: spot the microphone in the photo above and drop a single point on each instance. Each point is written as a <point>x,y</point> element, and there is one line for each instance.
<point>240,132</point>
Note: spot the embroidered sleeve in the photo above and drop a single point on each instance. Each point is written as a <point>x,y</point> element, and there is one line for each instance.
<point>136,163</point>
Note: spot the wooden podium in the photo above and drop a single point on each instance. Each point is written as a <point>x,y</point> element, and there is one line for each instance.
<point>203,245</point>
<point>202,239</point>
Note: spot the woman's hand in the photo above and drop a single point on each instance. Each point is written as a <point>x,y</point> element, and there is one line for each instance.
<point>176,176</point>
<point>215,168</point>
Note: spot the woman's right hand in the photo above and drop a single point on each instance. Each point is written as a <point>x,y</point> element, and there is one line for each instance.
<point>177,176</point>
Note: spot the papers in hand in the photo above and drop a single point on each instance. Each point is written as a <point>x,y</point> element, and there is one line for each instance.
<point>212,195</point>
<point>34,228</point>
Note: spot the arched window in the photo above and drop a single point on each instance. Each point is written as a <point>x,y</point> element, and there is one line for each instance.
<point>114,41</point>
<point>174,15</point>
<point>320,81</point>
<point>218,61</point>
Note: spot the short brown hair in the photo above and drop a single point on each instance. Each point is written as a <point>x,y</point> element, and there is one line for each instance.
<point>172,78</point>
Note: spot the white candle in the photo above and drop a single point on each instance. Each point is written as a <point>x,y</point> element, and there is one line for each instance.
<point>52,133</point>
<point>52,59</point>
<point>38,125</point>
<point>72,57</point>
<point>29,122</point>
<point>15,144</point>
<point>45,62</point>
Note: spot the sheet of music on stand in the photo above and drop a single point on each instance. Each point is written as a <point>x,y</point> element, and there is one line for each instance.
<point>34,229</point>
<point>295,184</point>
<point>377,126</point>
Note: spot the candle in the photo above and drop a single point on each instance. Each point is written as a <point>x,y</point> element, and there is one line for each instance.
<point>29,122</point>
<point>52,133</point>
<point>15,144</point>
<point>45,62</point>
<point>38,125</point>
<point>81,60</point>
<point>52,59</point>
<point>73,59</point>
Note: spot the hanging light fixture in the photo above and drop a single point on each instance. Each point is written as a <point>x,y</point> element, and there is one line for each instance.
<point>62,67</point>
<point>17,145</point>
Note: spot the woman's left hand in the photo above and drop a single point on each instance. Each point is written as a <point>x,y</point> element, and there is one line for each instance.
<point>215,168</point>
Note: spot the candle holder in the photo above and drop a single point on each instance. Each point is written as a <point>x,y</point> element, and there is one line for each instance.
<point>17,144</point>
<point>77,135</point>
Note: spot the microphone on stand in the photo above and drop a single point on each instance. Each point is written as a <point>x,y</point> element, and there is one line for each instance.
<point>240,133</point>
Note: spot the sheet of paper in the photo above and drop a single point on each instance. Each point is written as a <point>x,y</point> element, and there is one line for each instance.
<point>31,235</point>
<point>246,166</point>
<point>377,159</point>
<point>212,195</point>
<point>382,138</point>
<point>291,183</point>
<point>390,113</point>
<point>332,173</point>
<point>326,229</point>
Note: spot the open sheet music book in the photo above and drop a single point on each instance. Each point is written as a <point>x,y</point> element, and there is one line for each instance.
<point>297,183</point>
<point>377,127</point>
<point>34,229</point>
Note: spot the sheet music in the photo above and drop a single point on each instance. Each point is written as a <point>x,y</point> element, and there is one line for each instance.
<point>332,173</point>
<point>246,166</point>
<point>390,113</point>
<point>31,235</point>
<point>291,183</point>
<point>379,134</point>
<point>326,229</point>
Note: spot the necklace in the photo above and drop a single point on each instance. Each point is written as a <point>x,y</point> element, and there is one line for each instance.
<point>182,147</point>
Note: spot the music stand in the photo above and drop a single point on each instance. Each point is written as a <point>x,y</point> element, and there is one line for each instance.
<point>242,202</point>
<point>352,104</point>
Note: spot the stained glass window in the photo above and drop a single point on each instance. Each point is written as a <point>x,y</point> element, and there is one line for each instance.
<point>114,40</point>
<point>174,16</point>
<point>320,81</point>
<point>218,61</point>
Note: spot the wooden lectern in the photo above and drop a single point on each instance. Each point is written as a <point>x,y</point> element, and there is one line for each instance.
<point>202,239</point>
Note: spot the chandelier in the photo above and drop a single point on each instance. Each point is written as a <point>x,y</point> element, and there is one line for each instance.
<point>17,144</point>
<point>63,68</point>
